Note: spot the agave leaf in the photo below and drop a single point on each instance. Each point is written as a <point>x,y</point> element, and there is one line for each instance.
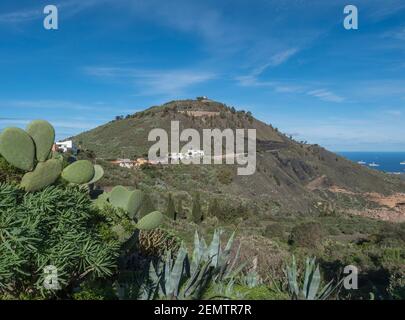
<point>314,284</point>
<point>306,277</point>
<point>228,246</point>
<point>177,270</point>
<point>214,248</point>
<point>197,252</point>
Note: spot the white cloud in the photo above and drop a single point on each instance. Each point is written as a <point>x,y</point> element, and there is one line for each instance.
<point>394,112</point>
<point>325,95</point>
<point>275,60</point>
<point>20,16</point>
<point>65,105</point>
<point>69,7</point>
<point>252,79</point>
<point>154,82</point>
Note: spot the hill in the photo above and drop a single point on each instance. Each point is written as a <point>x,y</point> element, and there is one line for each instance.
<point>292,178</point>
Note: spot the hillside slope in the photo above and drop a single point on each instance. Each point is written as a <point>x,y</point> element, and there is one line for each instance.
<point>291,178</point>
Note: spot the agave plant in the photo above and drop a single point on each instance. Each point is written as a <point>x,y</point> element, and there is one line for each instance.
<point>311,287</point>
<point>220,259</point>
<point>185,276</point>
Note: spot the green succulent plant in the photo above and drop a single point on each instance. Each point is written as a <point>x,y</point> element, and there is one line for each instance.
<point>79,172</point>
<point>31,150</point>
<point>311,286</point>
<point>45,174</point>
<point>184,276</point>
<point>43,134</point>
<point>17,147</point>
<point>98,174</point>
<point>101,201</point>
<point>150,221</point>
<point>129,200</point>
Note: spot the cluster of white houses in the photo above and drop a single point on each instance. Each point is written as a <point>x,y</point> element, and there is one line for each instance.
<point>128,163</point>
<point>69,145</point>
<point>190,154</point>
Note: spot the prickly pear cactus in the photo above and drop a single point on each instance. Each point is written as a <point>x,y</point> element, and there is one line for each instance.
<point>102,200</point>
<point>123,198</point>
<point>98,174</point>
<point>18,148</point>
<point>150,221</point>
<point>118,197</point>
<point>135,202</point>
<point>45,174</point>
<point>43,134</point>
<point>79,172</point>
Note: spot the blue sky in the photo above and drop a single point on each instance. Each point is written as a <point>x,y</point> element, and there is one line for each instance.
<point>290,62</point>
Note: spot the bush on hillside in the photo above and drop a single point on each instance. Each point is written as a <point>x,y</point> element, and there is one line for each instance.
<point>275,230</point>
<point>54,227</point>
<point>307,234</point>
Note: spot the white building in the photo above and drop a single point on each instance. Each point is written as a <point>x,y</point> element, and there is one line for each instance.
<point>124,163</point>
<point>65,146</point>
<point>190,154</point>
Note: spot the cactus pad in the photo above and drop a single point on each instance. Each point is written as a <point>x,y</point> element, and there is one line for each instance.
<point>18,148</point>
<point>150,221</point>
<point>102,200</point>
<point>43,134</point>
<point>79,172</point>
<point>98,174</point>
<point>123,198</point>
<point>45,174</point>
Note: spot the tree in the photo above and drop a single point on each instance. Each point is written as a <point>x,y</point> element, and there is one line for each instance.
<point>214,207</point>
<point>180,209</point>
<point>170,210</point>
<point>196,213</point>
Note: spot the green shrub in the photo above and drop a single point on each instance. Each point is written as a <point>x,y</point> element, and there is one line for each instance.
<point>225,175</point>
<point>396,286</point>
<point>274,230</point>
<point>170,209</point>
<point>196,213</point>
<point>56,226</point>
<point>391,234</point>
<point>307,234</point>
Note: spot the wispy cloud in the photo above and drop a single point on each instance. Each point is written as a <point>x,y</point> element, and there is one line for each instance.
<point>291,87</point>
<point>63,124</point>
<point>399,34</point>
<point>394,113</point>
<point>63,105</point>
<point>68,7</point>
<point>153,82</point>
<point>20,16</point>
<point>325,95</point>
<point>275,60</point>
<point>379,10</point>
<point>253,78</point>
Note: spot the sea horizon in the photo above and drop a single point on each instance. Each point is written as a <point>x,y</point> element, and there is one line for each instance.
<point>388,161</point>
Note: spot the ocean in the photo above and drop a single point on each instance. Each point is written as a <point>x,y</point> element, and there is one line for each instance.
<point>388,161</point>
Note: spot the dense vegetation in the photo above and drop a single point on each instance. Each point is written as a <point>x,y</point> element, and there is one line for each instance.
<point>117,244</point>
